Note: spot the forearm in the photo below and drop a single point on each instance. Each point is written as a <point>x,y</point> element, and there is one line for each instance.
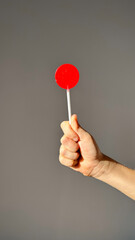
<point>116,175</point>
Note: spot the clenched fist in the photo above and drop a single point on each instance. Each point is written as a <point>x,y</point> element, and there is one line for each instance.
<point>80,152</point>
<point>78,149</point>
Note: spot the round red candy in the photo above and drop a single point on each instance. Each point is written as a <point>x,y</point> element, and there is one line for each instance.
<point>67,76</point>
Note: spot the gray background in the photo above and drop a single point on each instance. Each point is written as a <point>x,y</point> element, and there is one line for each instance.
<point>39,197</point>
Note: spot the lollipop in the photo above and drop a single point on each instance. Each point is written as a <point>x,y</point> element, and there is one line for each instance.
<point>67,76</point>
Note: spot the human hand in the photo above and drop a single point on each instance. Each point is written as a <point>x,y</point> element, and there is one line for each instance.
<point>78,149</point>
<point>80,152</point>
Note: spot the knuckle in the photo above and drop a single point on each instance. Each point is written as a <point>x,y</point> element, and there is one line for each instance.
<point>62,150</point>
<point>62,124</point>
<point>61,140</point>
<point>60,159</point>
<point>65,140</point>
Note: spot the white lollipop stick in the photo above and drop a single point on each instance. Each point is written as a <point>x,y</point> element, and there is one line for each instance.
<point>69,105</point>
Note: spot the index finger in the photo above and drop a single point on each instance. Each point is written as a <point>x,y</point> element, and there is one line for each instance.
<point>68,131</point>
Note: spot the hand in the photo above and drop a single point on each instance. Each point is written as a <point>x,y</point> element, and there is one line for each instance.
<point>80,152</point>
<point>78,149</point>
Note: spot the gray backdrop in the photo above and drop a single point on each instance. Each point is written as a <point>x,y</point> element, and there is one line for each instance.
<point>39,197</point>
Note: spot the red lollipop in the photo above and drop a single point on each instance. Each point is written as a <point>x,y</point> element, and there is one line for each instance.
<point>67,76</point>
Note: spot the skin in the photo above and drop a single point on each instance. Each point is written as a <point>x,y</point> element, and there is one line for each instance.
<point>80,152</point>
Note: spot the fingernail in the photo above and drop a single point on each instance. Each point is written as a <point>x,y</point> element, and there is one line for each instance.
<point>75,139</point>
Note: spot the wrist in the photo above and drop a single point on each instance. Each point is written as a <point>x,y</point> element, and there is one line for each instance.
<point>116,175</point>
<point>104,167</point>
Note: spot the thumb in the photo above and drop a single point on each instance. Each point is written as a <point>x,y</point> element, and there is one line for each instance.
<point>77,128</point>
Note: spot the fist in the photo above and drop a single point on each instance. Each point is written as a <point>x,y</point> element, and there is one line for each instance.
<point>78,149</point>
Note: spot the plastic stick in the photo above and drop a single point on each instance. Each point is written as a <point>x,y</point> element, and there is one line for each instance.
<point>69,105</point>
